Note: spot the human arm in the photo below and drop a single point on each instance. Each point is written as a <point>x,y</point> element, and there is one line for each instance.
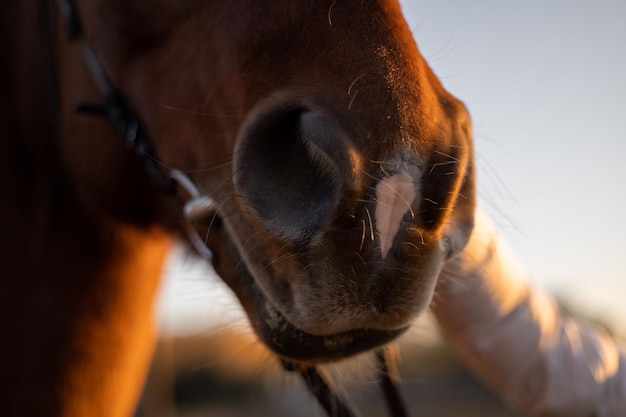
<point>514,337</point>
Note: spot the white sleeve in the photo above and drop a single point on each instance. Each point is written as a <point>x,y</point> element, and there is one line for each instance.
<point>514,338</point>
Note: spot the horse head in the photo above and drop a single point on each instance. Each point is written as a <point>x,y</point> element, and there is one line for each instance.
<point>341,169</point>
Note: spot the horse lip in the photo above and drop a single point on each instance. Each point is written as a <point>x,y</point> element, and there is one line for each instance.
<point>290,342</point>
<point>280,335</point>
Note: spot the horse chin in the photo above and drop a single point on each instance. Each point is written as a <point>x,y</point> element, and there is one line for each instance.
<point>292,343</point>
<point>279,334</point>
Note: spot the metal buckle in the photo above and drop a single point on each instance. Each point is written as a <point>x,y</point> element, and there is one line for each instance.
<point>196,207</point>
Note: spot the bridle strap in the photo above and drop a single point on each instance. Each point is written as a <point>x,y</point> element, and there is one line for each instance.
<point>331,403</point>
<point>197,205</point>
<point>334,405</point>
<point>388,380</point>
<point>113,106</point>
<point>70,16</point>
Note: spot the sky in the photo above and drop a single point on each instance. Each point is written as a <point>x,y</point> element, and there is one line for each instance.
<point>545,83</point>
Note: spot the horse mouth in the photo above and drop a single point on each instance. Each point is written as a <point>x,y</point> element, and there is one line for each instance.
<point>290,342</point>
<point>279,334</point>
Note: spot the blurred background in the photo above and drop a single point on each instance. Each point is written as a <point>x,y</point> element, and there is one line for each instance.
<point>545,83</point>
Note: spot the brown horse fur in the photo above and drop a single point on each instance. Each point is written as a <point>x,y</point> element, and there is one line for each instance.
<point>84,231</point>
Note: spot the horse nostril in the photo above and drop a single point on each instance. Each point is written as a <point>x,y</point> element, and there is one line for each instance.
<point>284,173</point>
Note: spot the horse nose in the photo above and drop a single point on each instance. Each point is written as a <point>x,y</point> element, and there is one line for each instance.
<point>289,165</point>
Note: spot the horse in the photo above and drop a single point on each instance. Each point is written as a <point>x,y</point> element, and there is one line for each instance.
<point>339,171</point>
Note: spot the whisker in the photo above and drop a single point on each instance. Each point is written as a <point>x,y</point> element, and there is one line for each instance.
<point>369,217</point>
<point>202,113</point>
<point>438,164</point>
<point>361,258</point>
<point>279,259</point>
<point>362,235</point>
<point>446,155</point>
<point>330,11</point>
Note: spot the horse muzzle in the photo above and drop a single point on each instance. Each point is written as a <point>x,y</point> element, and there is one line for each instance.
<point>331,229</point>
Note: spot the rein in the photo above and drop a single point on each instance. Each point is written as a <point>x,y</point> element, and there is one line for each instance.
<point>197,205</point>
